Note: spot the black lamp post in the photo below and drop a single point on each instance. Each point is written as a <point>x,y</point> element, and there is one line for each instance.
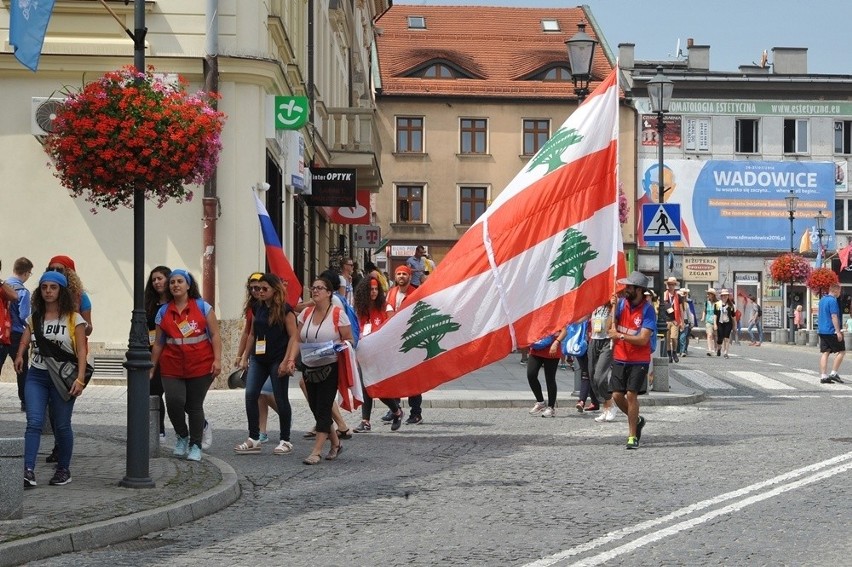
<point>792,201</point>
<point>581,53</point>
<point>820,227</point>
<point>138,356</point>
<point>660,90</point>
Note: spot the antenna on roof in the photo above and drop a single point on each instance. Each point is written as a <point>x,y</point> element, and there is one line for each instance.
<point>678,54</point>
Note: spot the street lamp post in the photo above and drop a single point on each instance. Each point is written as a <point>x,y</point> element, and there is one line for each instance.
<point>581,53</point>
<point>820,227</point>
<point>792,201</point>
<point>660,90</point>
<point>138,356</point>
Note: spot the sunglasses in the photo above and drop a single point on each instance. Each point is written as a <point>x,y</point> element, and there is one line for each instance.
<point>254,288</point>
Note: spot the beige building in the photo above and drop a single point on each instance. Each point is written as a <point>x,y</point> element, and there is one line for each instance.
<point>261,49</point>
<point>466,97</point>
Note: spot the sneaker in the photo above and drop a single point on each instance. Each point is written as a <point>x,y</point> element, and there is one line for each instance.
<point>610,415</point>
<point>719,352</point>
<point>29,479</point>
<point>580,406</point>
<point>162,438</point>
<point>639,425</point>
<point>835,377</point>
<point>206,435</point>
<point>676,359</point>
<point>363,427</point>
<point>283,448</point>
<point>53,457</point>
<point>388,417</point>
<point>397,420</point>
<point>523,362</point>
<point>263,438</point>
<point>538,408</point>
<point>194,453</point>
<point>413,419</point>
<point>61,477</point>
<point>632,443</point>
<point>825,380</point>
<point>181,447</point>
<point>563,367</point>
<point>549,412</point>
<point>591,407</point>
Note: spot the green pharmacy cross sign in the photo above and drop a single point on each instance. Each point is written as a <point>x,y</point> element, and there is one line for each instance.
<point>291,112</point>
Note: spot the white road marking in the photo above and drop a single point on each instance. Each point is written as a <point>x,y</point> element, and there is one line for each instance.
<point>813,380</point>
<point>702,379</point>
<point>622,533</point>
<point>761,381</point>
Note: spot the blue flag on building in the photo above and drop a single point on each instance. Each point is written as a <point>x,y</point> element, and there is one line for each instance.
<point>27,26</point>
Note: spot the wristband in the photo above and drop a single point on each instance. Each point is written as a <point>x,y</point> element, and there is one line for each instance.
<point>83,384</point>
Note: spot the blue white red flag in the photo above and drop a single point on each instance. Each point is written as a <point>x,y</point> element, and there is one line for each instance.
<point>546,253</point>
<point>278,263</point>
<point>28,21</point>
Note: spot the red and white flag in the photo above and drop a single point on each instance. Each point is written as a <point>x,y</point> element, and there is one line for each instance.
<point>546,253</point>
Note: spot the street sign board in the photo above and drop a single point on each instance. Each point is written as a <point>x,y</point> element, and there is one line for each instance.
<point>367,236</point>
<point>661,222</point>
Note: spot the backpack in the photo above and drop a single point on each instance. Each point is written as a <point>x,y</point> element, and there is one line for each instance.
<point>759,311</point>
<point>575,342</point>
<point>350,314</point>
<point>5,323</point>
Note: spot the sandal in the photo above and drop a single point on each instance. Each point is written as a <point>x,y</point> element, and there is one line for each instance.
<point>345,434</point>
<point>312,459</point>
<point>334,452</point>
<point>250,446</point>
<point>283,448</point>
<point>309,435</point>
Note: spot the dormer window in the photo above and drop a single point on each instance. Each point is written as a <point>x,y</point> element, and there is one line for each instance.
<point>556,74</point>
<point>549,26</point>
<point>416,23</point>
<point>438,70</point>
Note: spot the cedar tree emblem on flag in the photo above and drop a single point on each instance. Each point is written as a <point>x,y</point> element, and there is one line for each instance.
<point>426,327</point>
<point>551,153</point>
<point>574,253</point>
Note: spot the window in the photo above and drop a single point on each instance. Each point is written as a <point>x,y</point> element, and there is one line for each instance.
<point>409,203</point>
<point>842,214</point>
<point>549,25</point>
<point>536,133</point>
<point>746,136</point>
<point>409,134</point>
<point>796,136</point>
<point>559,74</point>
<point>697,138</point>
<point>843,137</point>
<point>472,202</point>
<point>437,71</point>
<point>474,132</point>
<point>416,23</point>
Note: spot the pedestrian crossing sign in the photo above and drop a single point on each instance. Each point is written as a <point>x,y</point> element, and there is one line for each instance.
<point>661,222</point>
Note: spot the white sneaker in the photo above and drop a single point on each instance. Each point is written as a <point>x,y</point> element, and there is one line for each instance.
<point>602,417</point>
<point>538,408</point>
<point>206,436</point>
<point>549,412</point>
<point>613,411</point>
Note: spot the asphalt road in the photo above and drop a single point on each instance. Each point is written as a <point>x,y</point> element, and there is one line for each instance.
<point>756,475</point>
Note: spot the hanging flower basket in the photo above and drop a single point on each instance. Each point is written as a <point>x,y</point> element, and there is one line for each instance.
<point>821,279</point>
<point>790,268</point>
<point>623,206</point>
<point>132,130</point>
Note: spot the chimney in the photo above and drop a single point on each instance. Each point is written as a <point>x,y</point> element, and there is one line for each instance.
<point>790,60</point>
<point>698,56</point>
<point>626,55</point>
<point>753,70</point>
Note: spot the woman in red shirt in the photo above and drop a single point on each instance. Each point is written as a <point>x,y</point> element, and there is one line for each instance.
<point>371,307</point>
<point>188,349</point>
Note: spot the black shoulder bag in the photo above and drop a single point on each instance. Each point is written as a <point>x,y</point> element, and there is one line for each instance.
<point>61,365</point>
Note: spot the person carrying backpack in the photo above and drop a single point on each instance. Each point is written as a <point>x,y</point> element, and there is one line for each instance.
<point>756,320</point>
<point>17,300</point>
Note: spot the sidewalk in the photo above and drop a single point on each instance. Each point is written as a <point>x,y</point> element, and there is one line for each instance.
<point>93,511</point>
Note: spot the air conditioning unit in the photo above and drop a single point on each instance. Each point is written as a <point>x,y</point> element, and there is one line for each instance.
<point>43,114</point>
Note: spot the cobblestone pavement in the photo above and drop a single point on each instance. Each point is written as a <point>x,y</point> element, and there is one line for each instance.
<point>741,479</point>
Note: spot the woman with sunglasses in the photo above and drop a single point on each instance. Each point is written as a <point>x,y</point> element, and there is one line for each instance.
<point>273,342</point>
<point>188,349</point>
<point>156,295</point>
<point>55,318</point>
<point>319,324</point>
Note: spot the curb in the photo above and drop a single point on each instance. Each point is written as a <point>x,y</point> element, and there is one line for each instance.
<point>125,528</point>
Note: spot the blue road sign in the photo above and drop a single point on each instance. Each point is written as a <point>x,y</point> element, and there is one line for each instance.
<point>661,222</point>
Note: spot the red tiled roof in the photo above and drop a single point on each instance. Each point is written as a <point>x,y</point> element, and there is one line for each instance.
<point>497,45</point>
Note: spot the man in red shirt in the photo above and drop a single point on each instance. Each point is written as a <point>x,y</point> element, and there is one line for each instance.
<point>397,296</point>
<point>635,323</point>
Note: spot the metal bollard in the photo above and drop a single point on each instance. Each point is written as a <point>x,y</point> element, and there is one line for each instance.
<point>847,340</point>
<point>154,426</point>
<point>661,374</point>
<point>813,337</point>
<point>11,478</point>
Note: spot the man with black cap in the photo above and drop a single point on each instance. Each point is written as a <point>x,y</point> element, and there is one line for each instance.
<point>635,324</point>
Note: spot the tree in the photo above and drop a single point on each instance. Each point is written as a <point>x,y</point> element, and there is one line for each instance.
<point>551,152</point>
<point>574,253</point>
<point>426,327</point>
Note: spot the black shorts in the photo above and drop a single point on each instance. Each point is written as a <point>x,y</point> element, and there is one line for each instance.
<point>830,343</point>
<point>629,378</point>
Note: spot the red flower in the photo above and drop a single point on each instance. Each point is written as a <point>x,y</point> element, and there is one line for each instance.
<point>129,131</point>
<point>821,280</point>
<point>790,268</point>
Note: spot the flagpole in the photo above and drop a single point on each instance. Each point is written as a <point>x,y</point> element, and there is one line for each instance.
<point>138,362</point>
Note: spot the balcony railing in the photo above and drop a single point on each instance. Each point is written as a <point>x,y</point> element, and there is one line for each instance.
<point>348,129</point>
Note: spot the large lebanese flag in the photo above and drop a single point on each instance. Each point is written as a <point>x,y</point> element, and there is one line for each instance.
<point>278,262</point>
<point>546,253</point>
